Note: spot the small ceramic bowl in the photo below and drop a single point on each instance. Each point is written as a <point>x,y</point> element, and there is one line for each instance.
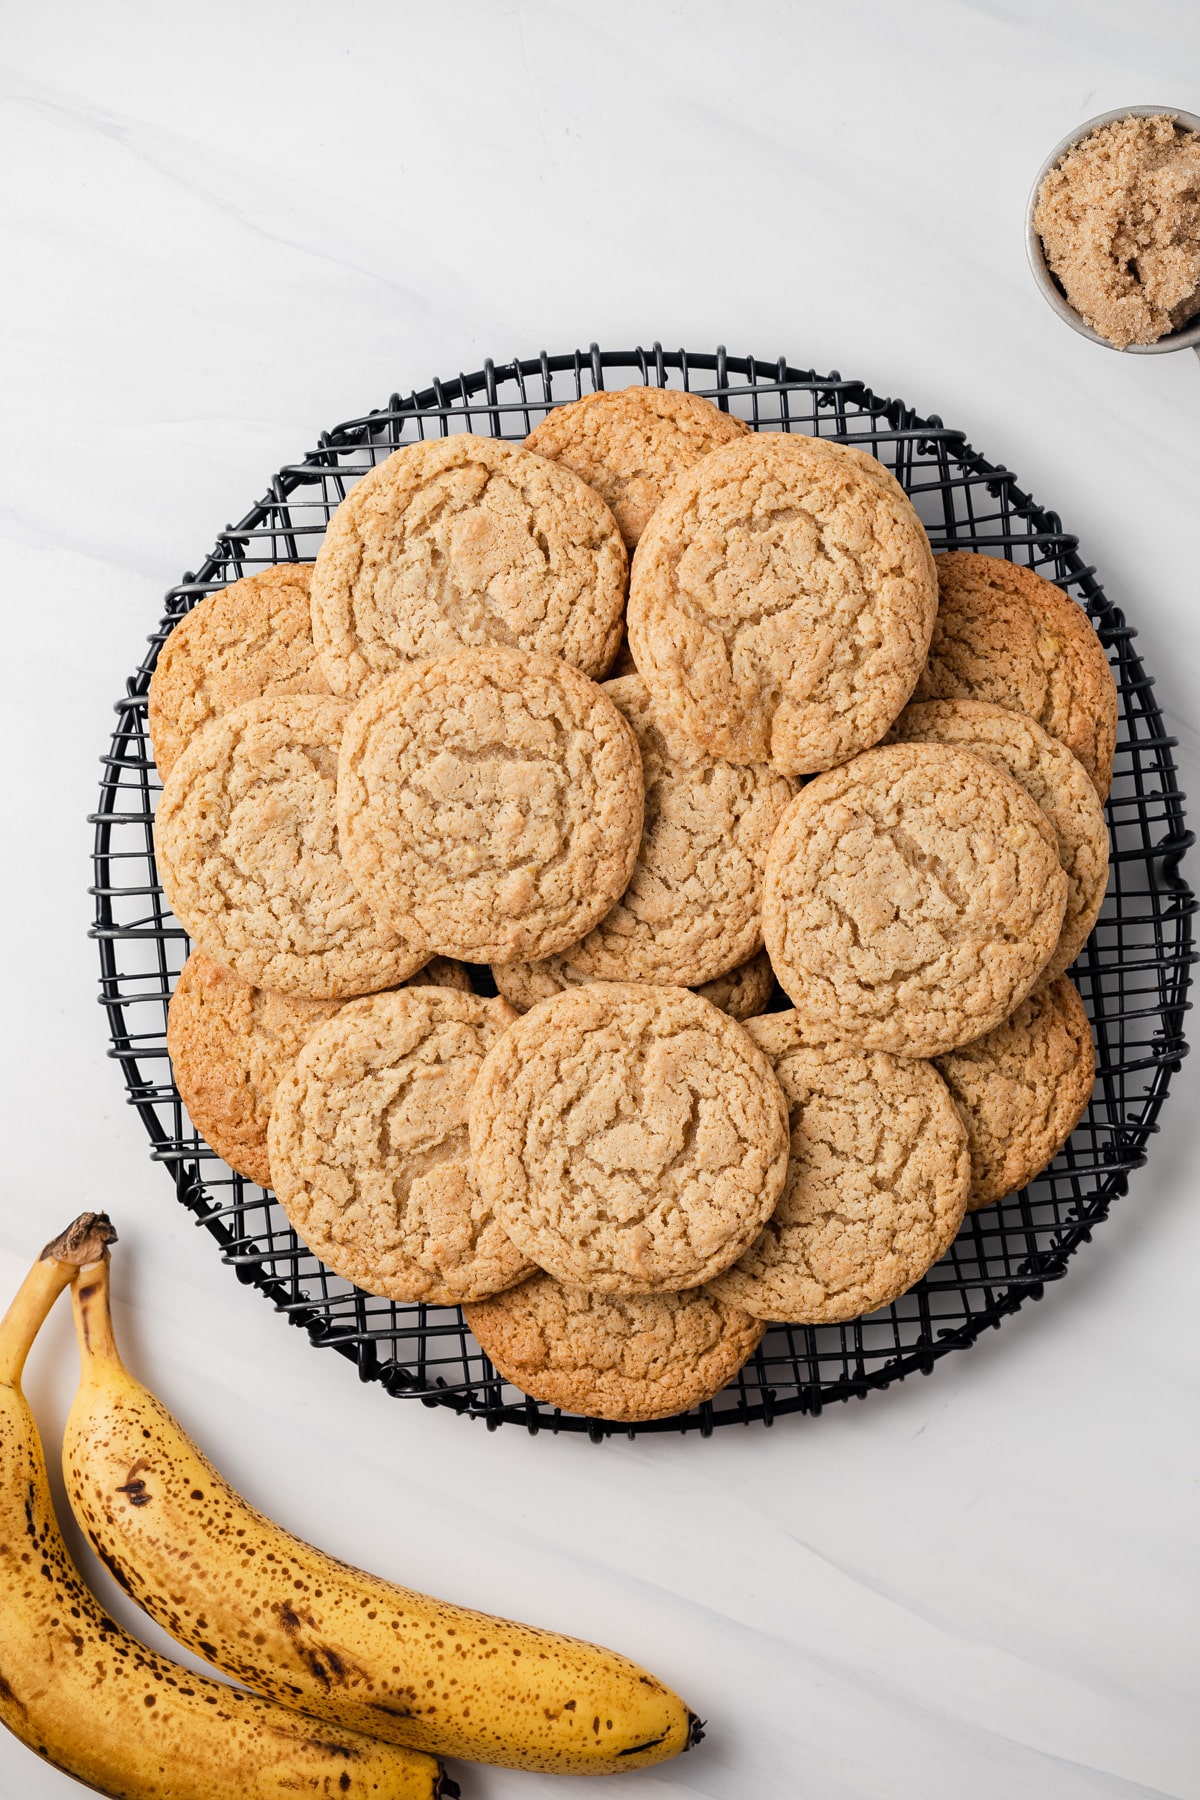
<point>1188,336</point>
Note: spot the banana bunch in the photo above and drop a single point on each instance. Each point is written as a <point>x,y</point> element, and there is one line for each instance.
<point>392,1673</point>
<point>89,1698</point>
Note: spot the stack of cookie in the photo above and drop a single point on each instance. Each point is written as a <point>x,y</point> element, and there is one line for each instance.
<point>398,765</point>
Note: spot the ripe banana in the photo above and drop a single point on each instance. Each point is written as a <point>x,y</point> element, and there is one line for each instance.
<point>292,1622</point>
<point>91,1700</point>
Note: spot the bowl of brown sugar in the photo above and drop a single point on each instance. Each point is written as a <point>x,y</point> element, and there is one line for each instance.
<point>1113,229</point>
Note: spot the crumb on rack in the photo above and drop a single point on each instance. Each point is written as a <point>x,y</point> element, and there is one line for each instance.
<point>1119,220</point>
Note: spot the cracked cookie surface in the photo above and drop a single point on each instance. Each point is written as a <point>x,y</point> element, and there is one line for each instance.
<point>741,993</point>
<point>632,444</point>
<point>623,1357</point>
<point>1023,1088</point>
<point>247,846</point>
<point>876,1185</point>
<point>1052,776</point>
<point>369,1149</point>
<point>631,1139</point>
<point>250,639</point>
<point>913,898</point>
<point>464,541</point>
<point>781,602</point>
<point>230,1043</point>
<point>1007,635</point>
<point>490,803</point>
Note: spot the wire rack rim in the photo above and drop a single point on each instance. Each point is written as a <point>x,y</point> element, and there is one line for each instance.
<point>1025,1253</point>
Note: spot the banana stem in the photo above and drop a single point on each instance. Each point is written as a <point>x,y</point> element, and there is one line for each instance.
<point>90,1301</point>
<point>83,1242</point>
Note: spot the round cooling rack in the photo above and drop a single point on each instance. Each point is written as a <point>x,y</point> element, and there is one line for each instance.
<point>1133,974</point>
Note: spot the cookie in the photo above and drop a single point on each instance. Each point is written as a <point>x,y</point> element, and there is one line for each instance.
<point>1023,1088</point>
<point>631,1139</point>
<point>745,991</point>
<point>633,444</point>
<point>781,602</point>
<point>247,845</point>
<point>464,541</point>
<point>619,1357</point>
<point>693,908</point>
<point>442,971</point>
<point>876,1186</point>
<point>523,984</point>
<point>742,993</point>
<point>369,1150</point>
<point>229,1043</point>
<point>1050,775</point>
<point>1007,635</point>
<point>913,897</point>
<point>251,639</point>
<point>490,804</point>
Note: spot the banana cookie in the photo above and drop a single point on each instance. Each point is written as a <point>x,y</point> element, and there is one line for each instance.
<point>490,804</point>
<point>251,639</point>
<point>369,1151</point>
<point>461,541</point>
<point>693,906</point>
<point>1050,775</point>
<point>876,1186</point>
<point>781,602</point>
<point>230,1044</point>
<point>633,444</point>
<point>1023,1088</point>
<point>913,898</point>
<point>742,993</point>
<point>608,1356</point>
<point>1007,635</point>
<point>631,1139</point>
<point>247,846</point>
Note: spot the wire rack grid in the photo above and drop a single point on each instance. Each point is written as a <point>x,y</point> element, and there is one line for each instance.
<point>1133,974</point>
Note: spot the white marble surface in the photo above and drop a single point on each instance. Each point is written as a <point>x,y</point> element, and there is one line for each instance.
<point>227,226</point>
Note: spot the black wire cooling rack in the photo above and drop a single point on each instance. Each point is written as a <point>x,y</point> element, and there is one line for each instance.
<point>1133,974</point>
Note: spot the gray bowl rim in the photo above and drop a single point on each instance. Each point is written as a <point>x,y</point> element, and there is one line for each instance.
<point>1188,336</point>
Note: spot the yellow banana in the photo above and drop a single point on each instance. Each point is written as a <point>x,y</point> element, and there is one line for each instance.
<point>295,1623</point>
<point>91,1700</point>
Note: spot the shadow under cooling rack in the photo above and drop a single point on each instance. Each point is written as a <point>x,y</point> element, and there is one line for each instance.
<point>1133,974</point>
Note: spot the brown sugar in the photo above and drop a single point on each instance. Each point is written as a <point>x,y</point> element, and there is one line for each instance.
<point>1119,220</point>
